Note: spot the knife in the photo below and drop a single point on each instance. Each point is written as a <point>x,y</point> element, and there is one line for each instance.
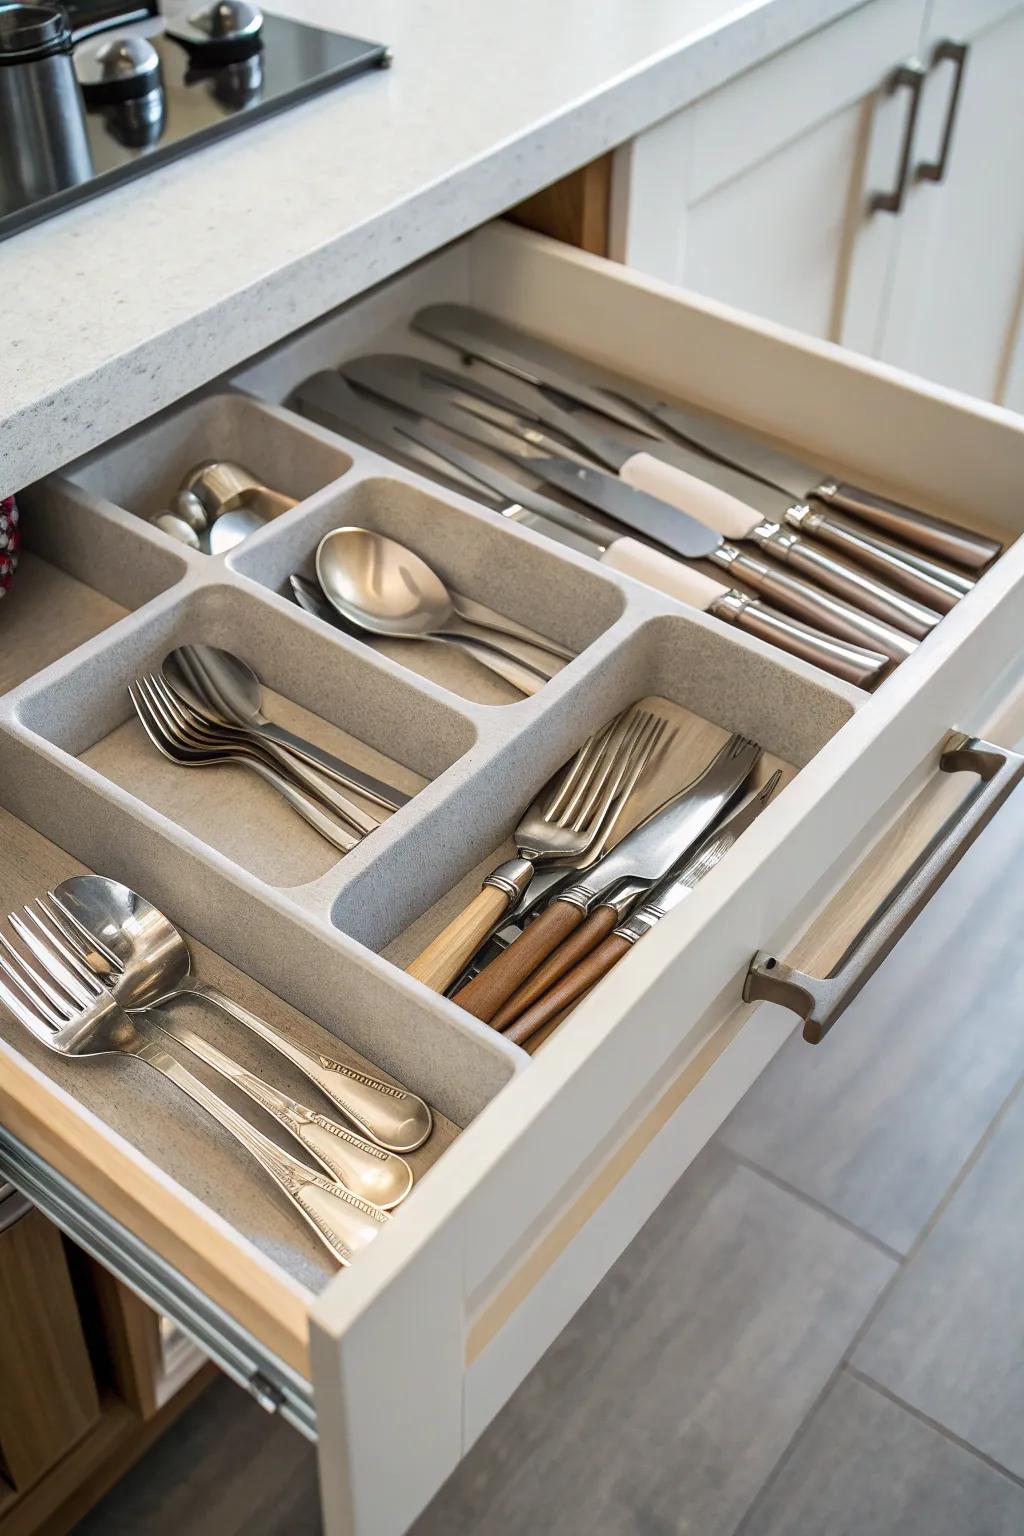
<point>609,933</point>
<point>643,514</point>
<point>479,335</point>
<point>639,861</point>
<point>327,398</point>
<point>734,503</point>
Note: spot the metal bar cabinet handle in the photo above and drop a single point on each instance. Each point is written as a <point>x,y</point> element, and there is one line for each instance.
<point>820,1001</point>
<point>935,170</point>
<point>912,76</point>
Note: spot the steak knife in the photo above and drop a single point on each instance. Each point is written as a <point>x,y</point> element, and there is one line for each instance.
<point>328,399</point>
<point>733,502</point>
<point>479,335</point>
<point>636,510</point>
<point>583,959</point>
<point>639,861</point>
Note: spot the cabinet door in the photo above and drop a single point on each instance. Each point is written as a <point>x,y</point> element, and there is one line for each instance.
<point>759,194</point>
<point>954,310</point>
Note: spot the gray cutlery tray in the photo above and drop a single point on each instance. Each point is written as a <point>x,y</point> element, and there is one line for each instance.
<point>238,870</point>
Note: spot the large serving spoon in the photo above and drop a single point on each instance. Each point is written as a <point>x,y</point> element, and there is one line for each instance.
<point>153,956</point>
<point>385,587</point>
<point>310,598</point>
<point>216,681</point>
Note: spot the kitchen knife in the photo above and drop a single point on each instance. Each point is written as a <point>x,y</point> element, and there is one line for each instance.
<point>328,399</point>
<point>640,860</point>
<point>609,933</point>
<point>634,509</point>
<point>744,508</point>
<point>478,335</point>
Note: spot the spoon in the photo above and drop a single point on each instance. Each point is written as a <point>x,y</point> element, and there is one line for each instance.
<point>146,947</point>
<point>231,528</point>
<point>382,586</point>
<point>365,1170</point>
<point>214,681</point>
<point>310,598</point>
<point>220,485</point>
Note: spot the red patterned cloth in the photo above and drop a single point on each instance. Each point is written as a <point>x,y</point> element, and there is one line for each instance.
<point>10,538</point>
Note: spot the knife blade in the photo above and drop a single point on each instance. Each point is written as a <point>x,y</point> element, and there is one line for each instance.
<point>657,521</point>
<point>713,499</point>
<point>642,858</point>
<point>592,951</point>
<point>478,335</point>
<point>329,399</point>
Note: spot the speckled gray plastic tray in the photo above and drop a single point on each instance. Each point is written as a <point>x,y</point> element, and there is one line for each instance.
<point>219,852</point>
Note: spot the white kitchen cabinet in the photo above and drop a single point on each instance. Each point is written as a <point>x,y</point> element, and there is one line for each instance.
<point>954,307</point>
<point>759,194</point>
<point>762,194</point>
<point>398,1364</point>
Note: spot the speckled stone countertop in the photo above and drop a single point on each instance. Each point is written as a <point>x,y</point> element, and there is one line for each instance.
<point>115,309</point>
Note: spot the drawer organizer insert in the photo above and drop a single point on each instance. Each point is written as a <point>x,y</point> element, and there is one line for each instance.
<point>495,1245</point>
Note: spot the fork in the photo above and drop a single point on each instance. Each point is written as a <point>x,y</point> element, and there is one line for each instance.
<point>190,720</point>
<point>568,824</point>
<point>75,1019</point>
<point>172,743</point>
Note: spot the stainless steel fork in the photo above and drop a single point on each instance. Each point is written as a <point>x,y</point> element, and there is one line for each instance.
<point>568,825</point>
<point>74,1019</point>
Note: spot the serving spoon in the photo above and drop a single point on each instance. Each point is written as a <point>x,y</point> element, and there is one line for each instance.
<point>384,587</point>
<point>152,955</point>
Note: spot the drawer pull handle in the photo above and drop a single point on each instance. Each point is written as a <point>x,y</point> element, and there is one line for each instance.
<point>910,75</point>
<point>821,1000</point>
<point>956,53</point>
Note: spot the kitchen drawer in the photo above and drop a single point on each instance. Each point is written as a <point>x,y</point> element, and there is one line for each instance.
<point>404,1358</point>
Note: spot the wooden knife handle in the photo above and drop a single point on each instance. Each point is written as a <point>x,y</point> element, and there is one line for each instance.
<point>565,992</point>
<point>484,995</point>
<point>442,960</point>
<point>535,1042</point>
<point>565,958</point>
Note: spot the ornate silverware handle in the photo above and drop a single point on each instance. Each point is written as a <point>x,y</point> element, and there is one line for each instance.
<point>945,540</point>
<point>820,1001</point>
<point>343,1223</point>
<point>359,1165</point>
<point>392,1117</point>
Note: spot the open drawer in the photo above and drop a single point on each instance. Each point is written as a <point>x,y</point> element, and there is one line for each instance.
<point>404,1358</point>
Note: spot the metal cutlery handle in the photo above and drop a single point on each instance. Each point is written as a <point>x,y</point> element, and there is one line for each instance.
<point>852,585</point>
<point>511,647</point>
<point>344,773</point>
<point>392,1117</point>
<point>945,540</point>
<point>320,786</point>
<point>931,583</point>
<point>366,1170</point>
<point>821,1000</point>
<point>479,613</point>
<point>521,676</point>
<point>818,608</point>
<point>342,1221</point>
<point>851,662</point>
<point>326,825</point>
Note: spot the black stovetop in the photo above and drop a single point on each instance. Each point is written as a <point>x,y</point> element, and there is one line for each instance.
<point>197,99</point>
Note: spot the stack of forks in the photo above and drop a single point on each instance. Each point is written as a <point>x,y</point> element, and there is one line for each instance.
<point>195,738</point>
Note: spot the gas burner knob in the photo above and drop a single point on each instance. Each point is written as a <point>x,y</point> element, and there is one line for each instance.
<point>221,33</point>
<point>118,69</point>
<point>228,20</point>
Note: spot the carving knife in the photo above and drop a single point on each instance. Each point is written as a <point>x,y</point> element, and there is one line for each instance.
<point>610,932</point>
<point>478,335</point>
<point>639,861</point>
<point>327,398</point>
<point>733,503</point>
<point>398,382</point>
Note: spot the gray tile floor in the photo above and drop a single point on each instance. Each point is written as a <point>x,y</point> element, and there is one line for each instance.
<point>819,1333</point>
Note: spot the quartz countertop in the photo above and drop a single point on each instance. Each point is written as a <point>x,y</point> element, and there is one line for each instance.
<point>114,309</point>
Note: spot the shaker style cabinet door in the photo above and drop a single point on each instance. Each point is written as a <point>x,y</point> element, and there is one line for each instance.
<point>954,314</point>
<point>760,194</point>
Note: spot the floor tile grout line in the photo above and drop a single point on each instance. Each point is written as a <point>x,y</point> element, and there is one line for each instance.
<point>934,1424</point>
<point>845,1363</point>
<point>813,1204</point>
